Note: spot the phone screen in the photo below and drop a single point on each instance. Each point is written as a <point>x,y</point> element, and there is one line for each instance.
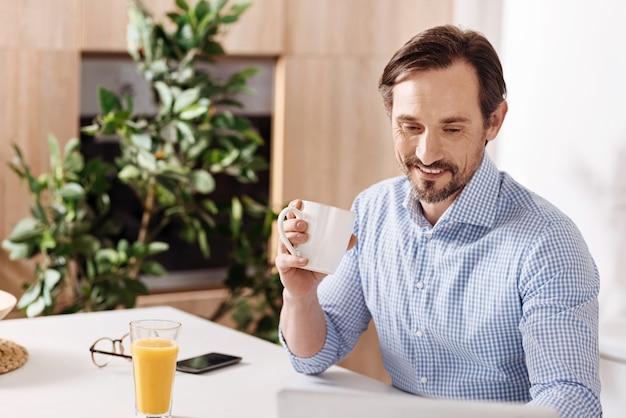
<point>206,362</point>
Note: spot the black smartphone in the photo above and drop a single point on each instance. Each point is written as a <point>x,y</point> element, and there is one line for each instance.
<point>206,362</point>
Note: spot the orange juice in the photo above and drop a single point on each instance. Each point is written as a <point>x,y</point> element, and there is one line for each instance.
<point>154,365</point>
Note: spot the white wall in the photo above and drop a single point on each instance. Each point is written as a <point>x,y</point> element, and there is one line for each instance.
<point>565,134</point>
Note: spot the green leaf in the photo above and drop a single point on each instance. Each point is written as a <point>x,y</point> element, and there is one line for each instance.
<point>186,131</point>
<point>123,246</point>
<point>129,172</point>
<point>87,244</point>
<point>72,145</point>
<point>169,132</point>
<point>156,247</point>
<point>51,278</point>
<point>157,69</point>
<point>47,297</point>
<point>193,112</point>
<point>129,103</point>
<point>55,153</point>
<point>202,181</point>
<point>73,162</point>
<point>165,97</point>
<point>72,191</point>
<point>90,129</point>
<point>36,308</point>
<point>228,19</point>
<point>136,286</point>
<point>219,4</point>
<point>107,255</point>
<point>210,206</point>
<point>47,240</point>
<point>153,268</point>
<point>146,160</point>
<point>108,100</point>
<point>26,229</point>
<point>197,149</point>
<point>182,4</point>
<point>31,294</point>
<point>165,196</point>
<point>137,249</point>
<point>185,99</point>
<point>202,9</point>
<point>213,48</point>
<point>16,250</point>
<point>142,141</point>
<point>236,216</point>
<point>244,74</point>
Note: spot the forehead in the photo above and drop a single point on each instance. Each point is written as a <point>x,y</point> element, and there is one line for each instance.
<point>451,89</point>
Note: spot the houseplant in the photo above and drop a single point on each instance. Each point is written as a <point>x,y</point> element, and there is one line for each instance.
<point>170,161</point>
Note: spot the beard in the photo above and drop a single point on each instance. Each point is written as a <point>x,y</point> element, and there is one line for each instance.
<point>426,191</point>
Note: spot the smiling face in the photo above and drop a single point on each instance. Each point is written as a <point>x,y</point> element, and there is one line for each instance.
<point>439,133</point>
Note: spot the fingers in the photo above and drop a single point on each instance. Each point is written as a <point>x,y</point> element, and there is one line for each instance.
<point>295,230</point>
<point>352,242</point>
<point>284,261</point>
<point>296,203</point>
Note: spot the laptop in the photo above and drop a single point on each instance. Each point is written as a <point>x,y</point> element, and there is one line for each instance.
<point>306,403</point>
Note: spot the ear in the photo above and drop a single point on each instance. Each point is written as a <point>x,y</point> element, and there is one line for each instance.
<point>496,119</point>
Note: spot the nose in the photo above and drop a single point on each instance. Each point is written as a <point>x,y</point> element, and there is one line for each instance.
<point>428,148</point>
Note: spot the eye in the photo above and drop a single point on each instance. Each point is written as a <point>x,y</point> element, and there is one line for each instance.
<point>452,130</point>
<point>410,128</point>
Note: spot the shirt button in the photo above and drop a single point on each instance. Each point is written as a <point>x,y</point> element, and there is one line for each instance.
<point>419,285</point>
<point>423,379</point>
<point>429,235</point>
<point>419,333</point>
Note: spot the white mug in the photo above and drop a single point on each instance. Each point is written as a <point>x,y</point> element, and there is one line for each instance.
<point>330,229</point>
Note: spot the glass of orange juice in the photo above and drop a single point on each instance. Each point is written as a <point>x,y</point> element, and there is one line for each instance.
<point>154,348</point>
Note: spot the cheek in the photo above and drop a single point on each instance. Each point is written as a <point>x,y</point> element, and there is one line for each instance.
<point>401,144</point>
<point>399,156</point>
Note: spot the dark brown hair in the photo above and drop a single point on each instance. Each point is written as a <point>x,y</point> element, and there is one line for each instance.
<point>439,48</point>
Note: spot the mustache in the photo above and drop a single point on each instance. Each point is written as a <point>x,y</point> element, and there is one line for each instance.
<point>413,161</point>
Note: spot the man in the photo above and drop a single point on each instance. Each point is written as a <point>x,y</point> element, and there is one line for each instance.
<point>479,289</point>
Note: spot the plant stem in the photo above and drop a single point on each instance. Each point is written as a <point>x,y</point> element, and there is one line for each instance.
<point>142,238</point>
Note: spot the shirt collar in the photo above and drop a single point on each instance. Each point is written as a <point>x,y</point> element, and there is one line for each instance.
<point>476,204</point>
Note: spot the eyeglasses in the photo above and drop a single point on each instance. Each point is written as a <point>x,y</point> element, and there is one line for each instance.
<point>104,349</point>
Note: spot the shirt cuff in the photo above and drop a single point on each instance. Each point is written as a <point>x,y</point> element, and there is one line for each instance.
<point>319,362</point>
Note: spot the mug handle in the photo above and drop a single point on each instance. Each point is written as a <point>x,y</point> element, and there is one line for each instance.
<point>283,237</point>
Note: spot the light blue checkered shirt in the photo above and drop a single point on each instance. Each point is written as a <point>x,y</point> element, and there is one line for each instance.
<point>497,301</point>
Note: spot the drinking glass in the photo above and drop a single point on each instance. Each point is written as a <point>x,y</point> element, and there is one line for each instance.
<point>154,348</point>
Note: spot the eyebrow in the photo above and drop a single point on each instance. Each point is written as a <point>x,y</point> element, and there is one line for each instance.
<point>455,119</point>
<point>445,121</point>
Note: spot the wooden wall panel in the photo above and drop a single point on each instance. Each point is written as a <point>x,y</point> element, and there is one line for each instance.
<point>259,32</point>
<point>103,25</point>
<point>39,24</point>
<point>359,27</point>
<point>39,96</point>
<point>336,134</point>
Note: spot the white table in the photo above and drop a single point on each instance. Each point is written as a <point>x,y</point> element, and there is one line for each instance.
<point>59,379</point>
